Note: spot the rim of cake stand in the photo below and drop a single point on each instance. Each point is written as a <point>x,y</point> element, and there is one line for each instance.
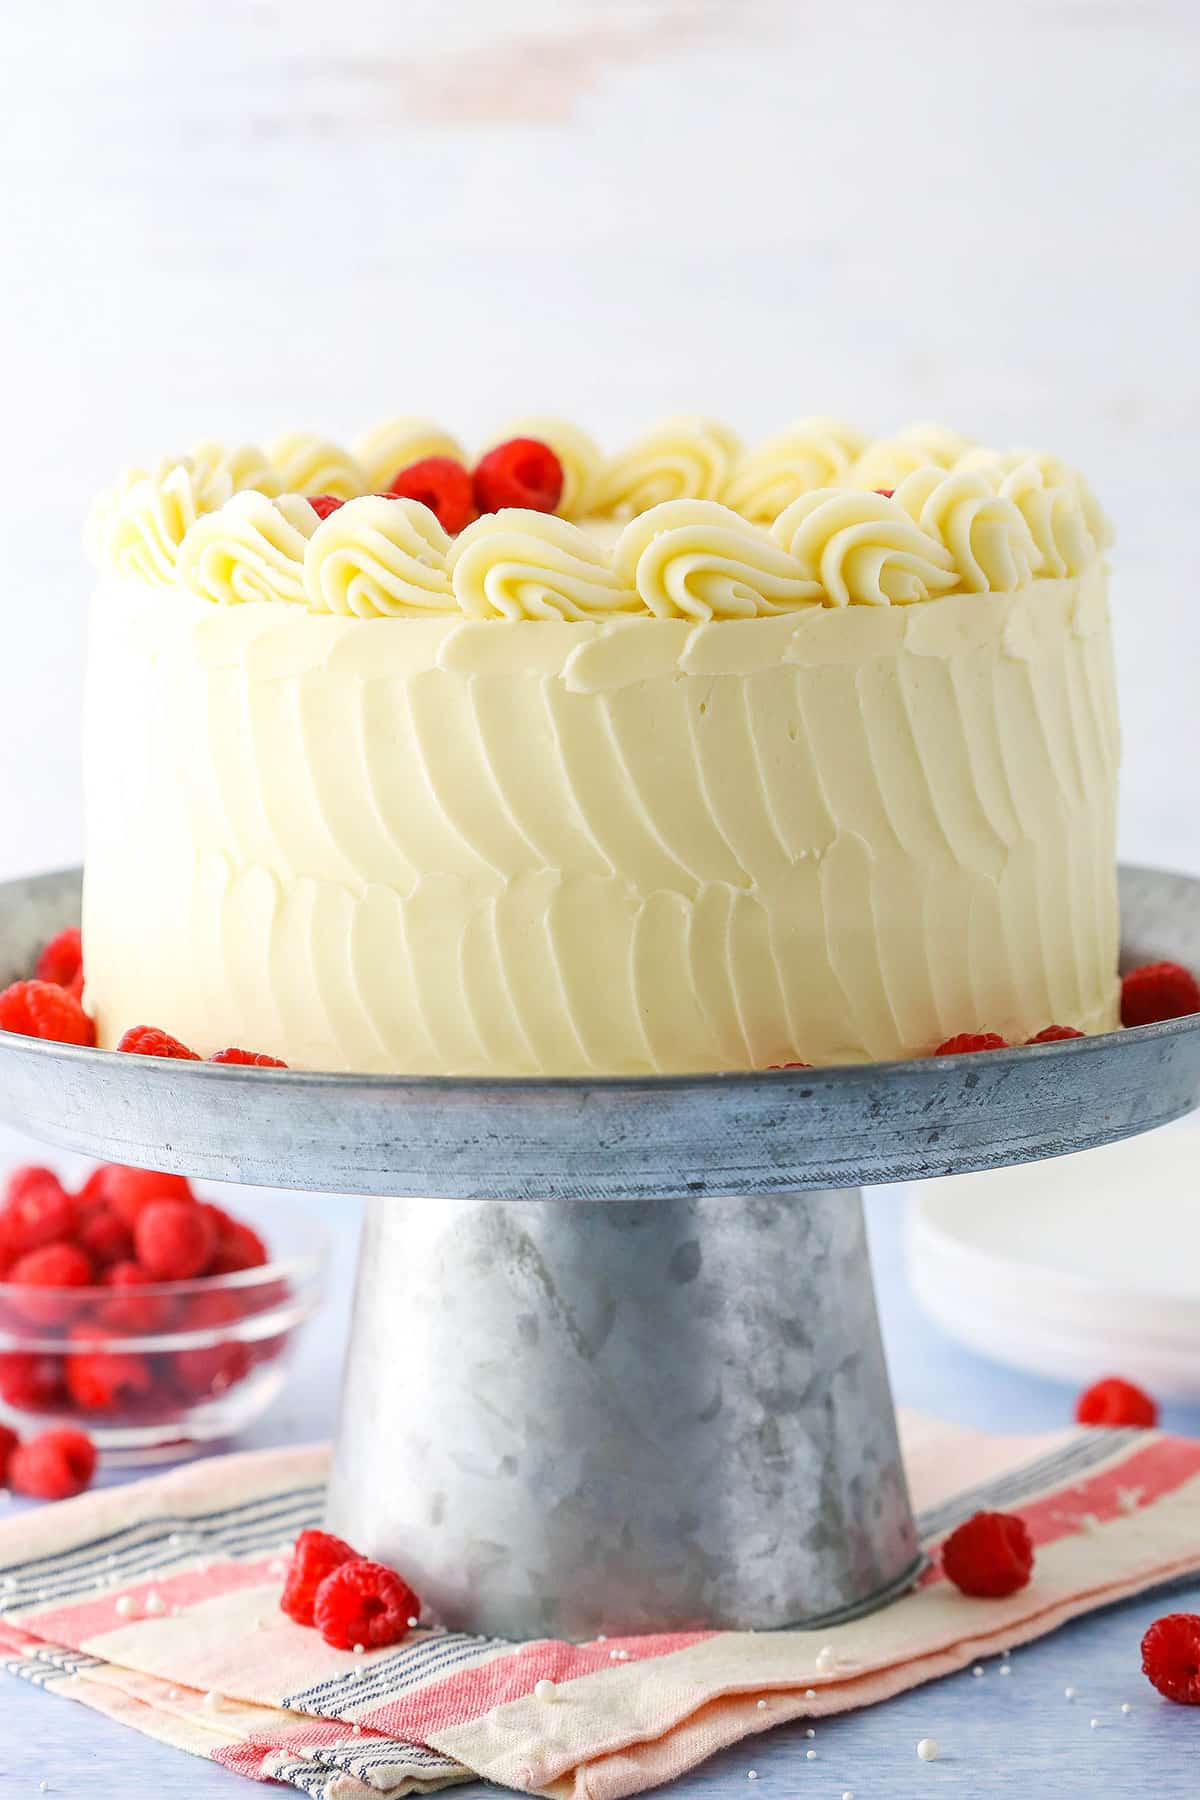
<point>607,1137</point>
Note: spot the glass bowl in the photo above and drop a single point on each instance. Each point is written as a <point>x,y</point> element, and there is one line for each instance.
<point>151,1372</point>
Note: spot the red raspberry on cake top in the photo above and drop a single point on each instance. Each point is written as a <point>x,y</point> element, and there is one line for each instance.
<point>441,484</point>
<point>521,472</point>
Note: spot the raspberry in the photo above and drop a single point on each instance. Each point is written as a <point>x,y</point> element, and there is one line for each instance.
<point>61,961</point>
<point>105,1380</point>
<point>1054,1034</point>
<point>442,485</point>
<point>522,472</point>
<point>127,1190</point>
<point>886,492</point>
<point>968,1041</point>
<point>37,1212</point>
<point>363,1603</point>
<point>1116,1402</point>
<point>8,1443</point>
<point>238,1246</point>
<point>105,1236</point>
<point>39,1009</point>
<point>148,1040</point>
<point>52,1466</point>
<point>53,1267</point>
<point>211,1369</point>
<point>1171,1657</point>
<point>989,1556</point>
<point>315,1555</point>
<point>130,1312</point>
<point>324,504</point>
<point>1156,991</point>
<point>29,1382</point>
<point>174,1239</point>
<point>250,1059</point>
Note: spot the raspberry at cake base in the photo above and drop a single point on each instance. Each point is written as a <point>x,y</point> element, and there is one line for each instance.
<point>736,760</point>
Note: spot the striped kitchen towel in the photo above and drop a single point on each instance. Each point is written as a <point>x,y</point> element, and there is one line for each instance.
<point>157,1604</point>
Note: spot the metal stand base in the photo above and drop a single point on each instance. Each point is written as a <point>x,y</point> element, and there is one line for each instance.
<point>561,1420</point>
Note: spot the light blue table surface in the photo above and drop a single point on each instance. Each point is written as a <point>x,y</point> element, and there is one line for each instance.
<point>998,1736</point>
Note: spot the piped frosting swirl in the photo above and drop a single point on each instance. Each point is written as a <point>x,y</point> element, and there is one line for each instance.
<point>794,519</point>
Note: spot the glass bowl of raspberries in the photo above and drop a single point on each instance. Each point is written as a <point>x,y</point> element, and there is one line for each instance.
<point>136,1309</point>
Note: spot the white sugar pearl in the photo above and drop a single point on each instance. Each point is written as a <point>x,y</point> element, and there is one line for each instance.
<point>413,1623</point>
<point>127,1606</point>
<point>277,1567</point>
<point>977,1670</point>
<point>1125,1707</point>
<point>1004,1669</point>
<point>43,1787</point>
<point>810,1693</point>
<point>172,1693</point>
<point>1093,1723</point>
<point>751,1774</point>
<point>826,1659</point>
<point>360,1649</point>
<point>545,1690</point>
<point>212,1701</point>
<point>762,1706</point>
<point>1069,1693</point>
<point>928,1749</point>
<point>154,1605</point>
<point>602,1637</point>
<point>847,1795</point>
<point>810,1733</point>
<point>810,1755</point>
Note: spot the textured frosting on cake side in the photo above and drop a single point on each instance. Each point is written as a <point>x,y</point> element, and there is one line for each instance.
<point>423,832</point>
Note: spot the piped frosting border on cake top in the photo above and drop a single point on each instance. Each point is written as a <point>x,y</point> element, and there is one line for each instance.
<point>685,523</point>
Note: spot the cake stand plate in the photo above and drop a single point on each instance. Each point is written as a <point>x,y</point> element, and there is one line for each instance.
<point>562,1419</point>
<point>597,1138</point>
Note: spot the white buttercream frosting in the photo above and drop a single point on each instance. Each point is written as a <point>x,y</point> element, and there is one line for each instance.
<point>382,452</point>
<point>516,564</point>
<point>305,463</point>
<point>447,845</point>
<point>252,548</point>
<point>693,559</point>
<point>863,549</point>
<point>378,557</point>
<point>680,459</point>
<point>998,516</point>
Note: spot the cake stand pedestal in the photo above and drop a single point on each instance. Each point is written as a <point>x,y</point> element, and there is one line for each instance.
<point>563,1416</point>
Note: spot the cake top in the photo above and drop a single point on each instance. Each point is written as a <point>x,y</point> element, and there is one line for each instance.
<point>686,522</point>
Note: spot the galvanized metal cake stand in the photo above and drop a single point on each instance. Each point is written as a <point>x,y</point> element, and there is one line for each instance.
<point>564,1415</point>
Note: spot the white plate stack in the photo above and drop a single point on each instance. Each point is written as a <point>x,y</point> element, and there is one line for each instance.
<point>1080,1267</point>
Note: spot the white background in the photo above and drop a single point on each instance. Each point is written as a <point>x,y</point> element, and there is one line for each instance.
<point>235,217</point>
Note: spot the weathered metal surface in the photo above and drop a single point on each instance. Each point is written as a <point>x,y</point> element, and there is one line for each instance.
<point>563,1420</point>
<point>607,1139</point>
